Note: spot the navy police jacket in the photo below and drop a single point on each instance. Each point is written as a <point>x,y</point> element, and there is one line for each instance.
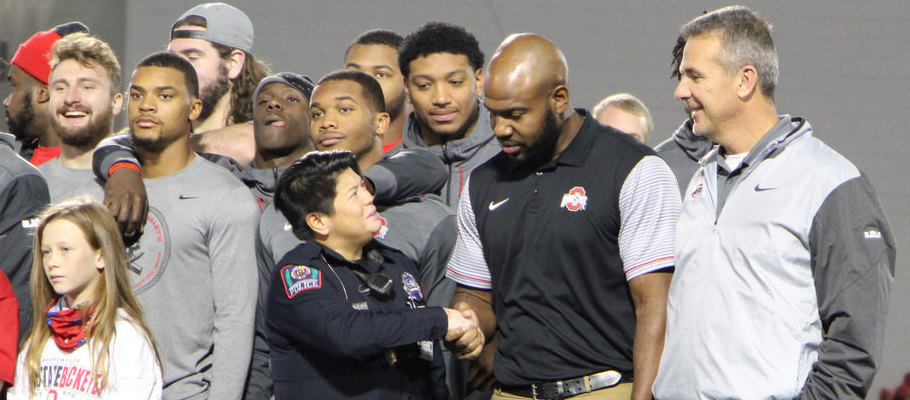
<point>332,338</point>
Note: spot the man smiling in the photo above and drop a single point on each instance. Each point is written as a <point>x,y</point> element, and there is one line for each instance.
<point>84,98</point>
<point>785,258</point>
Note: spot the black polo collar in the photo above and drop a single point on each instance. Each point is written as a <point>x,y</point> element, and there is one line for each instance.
<point>577,153</point>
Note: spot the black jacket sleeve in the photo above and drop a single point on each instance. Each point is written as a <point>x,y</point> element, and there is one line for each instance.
<point>117,148</point>
<point>407,173</point>
<point>853,253</point>
<point>323,317</point>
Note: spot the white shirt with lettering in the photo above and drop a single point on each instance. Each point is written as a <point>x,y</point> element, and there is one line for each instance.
<point>133,371</point>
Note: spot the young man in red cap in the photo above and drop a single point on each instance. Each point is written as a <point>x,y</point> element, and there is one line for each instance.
<point>26,106</point>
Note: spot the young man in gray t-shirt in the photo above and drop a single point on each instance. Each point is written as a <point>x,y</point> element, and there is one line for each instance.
<point>194,267</point>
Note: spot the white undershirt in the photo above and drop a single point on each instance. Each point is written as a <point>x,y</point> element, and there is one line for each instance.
<point>734,160</point>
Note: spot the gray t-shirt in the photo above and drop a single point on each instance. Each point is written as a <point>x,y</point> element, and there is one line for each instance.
<point>194,272</point>
<point>65,183</point>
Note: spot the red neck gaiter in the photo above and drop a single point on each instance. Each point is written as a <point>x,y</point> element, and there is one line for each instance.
<point>68,326</point>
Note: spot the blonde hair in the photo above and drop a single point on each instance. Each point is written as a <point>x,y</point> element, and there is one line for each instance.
<point>111,295</point>
<point>86,50</point>
<point>629,104</point>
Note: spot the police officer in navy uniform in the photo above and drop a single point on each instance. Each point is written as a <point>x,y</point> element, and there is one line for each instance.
<point>346,316</point>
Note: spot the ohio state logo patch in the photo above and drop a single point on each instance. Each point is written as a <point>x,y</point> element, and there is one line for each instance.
<point>383,229</point>
<point>299,278</point>
<point>575,200</point>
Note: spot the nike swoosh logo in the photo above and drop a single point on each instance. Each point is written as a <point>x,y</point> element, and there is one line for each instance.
<point>494,206</point>
<point>758,188</point>
<point>185,197</point>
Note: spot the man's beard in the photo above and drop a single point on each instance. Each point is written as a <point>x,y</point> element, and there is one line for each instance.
<point>87,136</point>
<point>213,92</point>
<point>19,124</point>
<point>397,105</point>
<point>541,151</point>
<point>152,146</point>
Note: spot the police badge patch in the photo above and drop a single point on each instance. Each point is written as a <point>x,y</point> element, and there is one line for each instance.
<point>299,278</point>
<point>411,287</point>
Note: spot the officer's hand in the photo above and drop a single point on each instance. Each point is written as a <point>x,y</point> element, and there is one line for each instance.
<point>466,341</point>
<point>480,374</point>
<point>458,325</point>
<point>124,195</point>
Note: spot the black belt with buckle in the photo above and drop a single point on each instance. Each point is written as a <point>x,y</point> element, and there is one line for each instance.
<point>569,387</point>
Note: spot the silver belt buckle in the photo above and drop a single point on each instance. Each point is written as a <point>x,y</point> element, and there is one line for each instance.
<point>604,379</point>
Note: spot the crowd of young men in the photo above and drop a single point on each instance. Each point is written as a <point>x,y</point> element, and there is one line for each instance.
<point>420,224</point>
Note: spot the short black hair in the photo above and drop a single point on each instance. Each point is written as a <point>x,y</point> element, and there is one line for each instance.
<point>439,37</point>
<point>170,60</point>
<point>372,91</point>
<point>308,186</point>
<point>382,37</point>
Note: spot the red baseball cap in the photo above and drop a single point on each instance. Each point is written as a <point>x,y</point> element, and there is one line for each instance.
<point>34,55</point>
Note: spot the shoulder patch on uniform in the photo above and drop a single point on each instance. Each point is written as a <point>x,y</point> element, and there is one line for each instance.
<point>299,278</point>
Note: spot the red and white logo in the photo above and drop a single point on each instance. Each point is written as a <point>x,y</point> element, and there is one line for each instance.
<point>575,200</point>
<point>382,229</point>
<point>698,190</point>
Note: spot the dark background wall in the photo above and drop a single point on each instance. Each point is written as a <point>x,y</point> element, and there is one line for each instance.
<point>843,67</point>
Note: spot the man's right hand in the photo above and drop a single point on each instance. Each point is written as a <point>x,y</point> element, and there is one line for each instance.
<point>125,196</point>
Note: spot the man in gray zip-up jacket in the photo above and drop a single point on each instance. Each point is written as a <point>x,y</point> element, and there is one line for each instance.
<point>443,69</point>
<point>785,259</point>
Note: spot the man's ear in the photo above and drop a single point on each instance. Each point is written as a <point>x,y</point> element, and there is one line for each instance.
<point>381,123</point>
<point>478,82</point>
<point>407,90</point>
<point>748,81</point>
<point>318,223</point>
<point>195,108</point>
<point>117,103</point>
<point>42,94</point>
<point>559,99</point>
<point>235,63</point>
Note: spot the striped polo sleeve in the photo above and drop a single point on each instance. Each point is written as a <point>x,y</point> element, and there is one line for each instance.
<point>649,207</point>
<point>467,265</point>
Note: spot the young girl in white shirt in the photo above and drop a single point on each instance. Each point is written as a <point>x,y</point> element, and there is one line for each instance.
<point>88,340</point>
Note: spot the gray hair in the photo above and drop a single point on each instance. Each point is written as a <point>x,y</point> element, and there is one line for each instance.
<point>747,40</point>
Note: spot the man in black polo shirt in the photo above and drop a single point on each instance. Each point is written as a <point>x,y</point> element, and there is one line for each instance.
<point>570,230</point>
